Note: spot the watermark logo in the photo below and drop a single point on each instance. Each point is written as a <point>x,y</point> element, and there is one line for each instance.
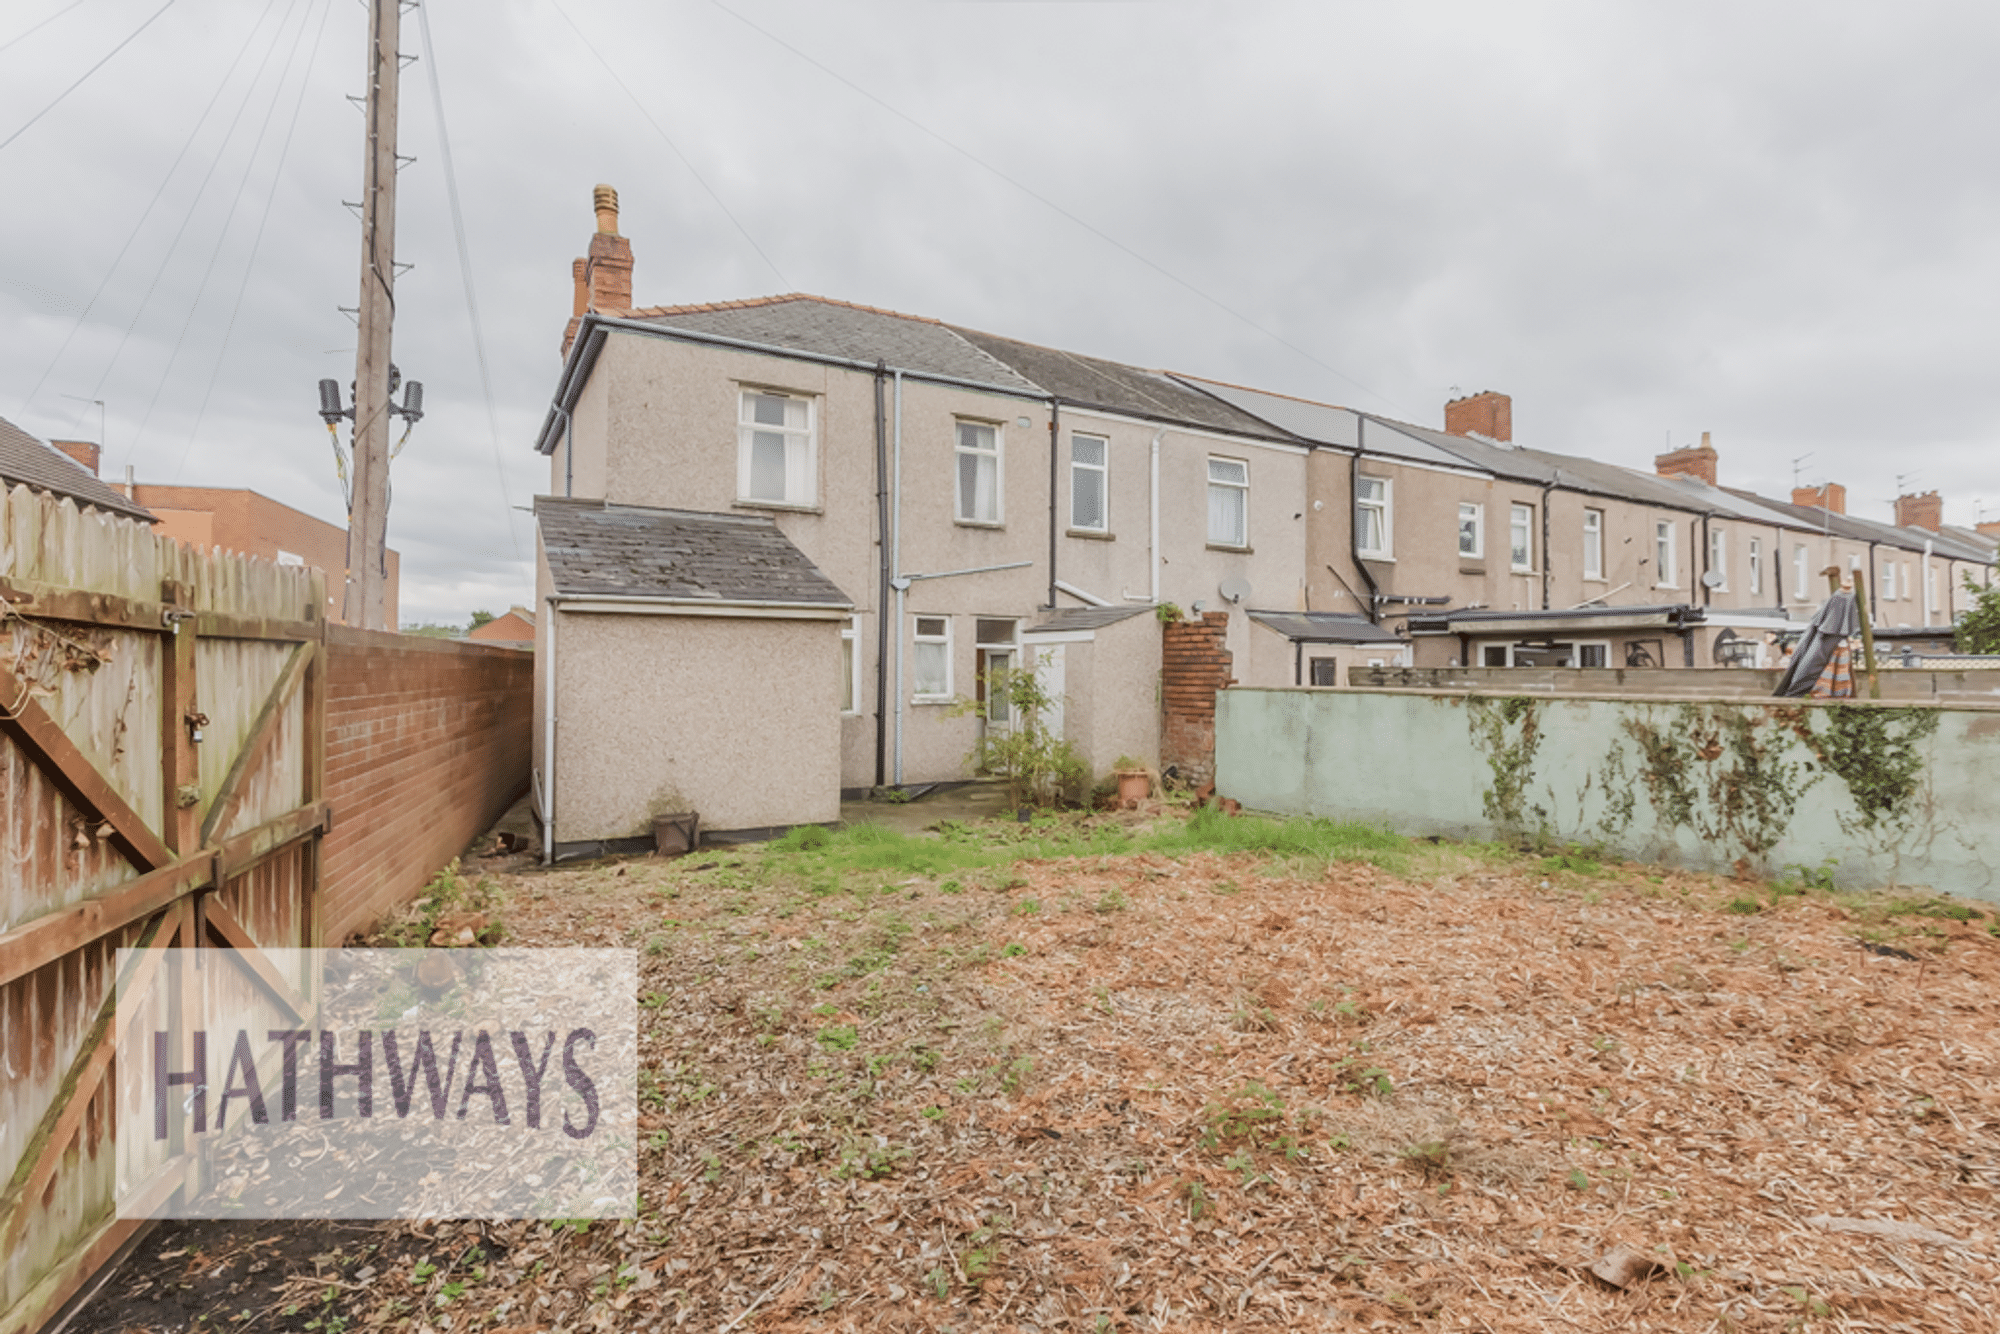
<point>377,1083</point>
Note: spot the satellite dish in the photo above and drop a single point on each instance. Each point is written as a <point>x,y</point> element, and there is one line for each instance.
<point>1713,579</point>
<point>1234,589</point>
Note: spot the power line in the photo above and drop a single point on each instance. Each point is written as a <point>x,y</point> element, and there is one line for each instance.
<point>692,170</point>
<point>228,222</point>
<point>13,41</point>
<point>174,246</point>
<point>465,269</point>
<point>138,226</point>
<point>86,74</point>
<point>1044,200</point>
<point>257,242</point>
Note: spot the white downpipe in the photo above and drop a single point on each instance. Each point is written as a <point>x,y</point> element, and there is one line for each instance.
<point>1930,611</point>
<point>1153,543</point>
<point>549,743</point>
<point>898,583</point>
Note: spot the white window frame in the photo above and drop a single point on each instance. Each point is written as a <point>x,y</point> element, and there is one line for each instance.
<point>1103,471</point>
<point>850,655</point>
<point>1666,554</point>
<point>1930,591</point>
<point>1242,490</point>
<point>1718,556</point>
<point>1593,544</point>
<point>1756,567</point>
<point>1801,571</point>
<point>748,428</point>
<point>998,454</point>
<point>1521,519</point>
<point>918,695</point>
<point>1472,509</point>
<point>1383,508</point>
<point>1577,647</point>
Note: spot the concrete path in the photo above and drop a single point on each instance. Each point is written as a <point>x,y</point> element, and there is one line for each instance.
<point>984,799</point>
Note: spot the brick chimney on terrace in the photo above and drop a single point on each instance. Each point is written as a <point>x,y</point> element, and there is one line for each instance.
<point>1697,462</point>
<point>604,276</point>
<point>86,455</point>
<point>1991,528</point>
<point>1925,511</point>
<point>1483,414</point>
<point>1832,497</point>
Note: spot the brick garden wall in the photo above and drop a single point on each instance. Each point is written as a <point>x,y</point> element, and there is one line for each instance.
<point>427,745</point>
<point>1194,665</point>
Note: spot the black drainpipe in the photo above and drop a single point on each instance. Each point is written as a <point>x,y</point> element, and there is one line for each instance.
<point>1547,487</point>
<point>1353,529</point>
<point>886,574</point>
<point>1055,498</point>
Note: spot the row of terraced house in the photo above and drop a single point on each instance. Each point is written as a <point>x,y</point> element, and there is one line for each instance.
<point>784,540</point>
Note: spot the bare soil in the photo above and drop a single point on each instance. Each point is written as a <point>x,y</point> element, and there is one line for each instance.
<point>1225,1091</point>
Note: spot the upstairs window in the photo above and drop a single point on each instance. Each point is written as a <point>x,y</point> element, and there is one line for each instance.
<point>1593,544</point>
<point>978,456</point>
<point>1371,517</point>
<point>774,450</point>
<point>1089,460</point>
<point>1471,530</point>
<point>1756,566</point>
<point>1718,556</point>
<point>1521,537</point>
<point>1799,562</point>
<point>1666,565</point>
<point>1228,503</point>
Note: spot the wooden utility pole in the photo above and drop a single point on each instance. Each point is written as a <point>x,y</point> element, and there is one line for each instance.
<point>365,603</point>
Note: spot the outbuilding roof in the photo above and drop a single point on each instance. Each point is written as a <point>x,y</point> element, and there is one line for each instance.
<point>1325,627</point>
<point>1084,618</point>
<point>597,549</point>
<point>26,461</point>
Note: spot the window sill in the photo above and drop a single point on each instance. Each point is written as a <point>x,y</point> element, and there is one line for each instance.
<point>979,523</point>
<point>933,699</point>
<point>1377,559</point>
<point>776,505</point>
<point>1240,551</point>
<point>1471,565</point>
<point>1091,534</point>
<point>1527,571</point>
<point>1595,579</point>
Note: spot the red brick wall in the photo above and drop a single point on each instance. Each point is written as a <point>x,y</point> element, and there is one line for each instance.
<point>1194,665</point>
<point>427,745</point>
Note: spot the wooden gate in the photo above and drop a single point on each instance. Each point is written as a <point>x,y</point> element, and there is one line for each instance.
<point>162,781</point>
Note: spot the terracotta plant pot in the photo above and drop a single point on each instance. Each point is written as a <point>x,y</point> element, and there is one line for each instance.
<point>1134,786</point>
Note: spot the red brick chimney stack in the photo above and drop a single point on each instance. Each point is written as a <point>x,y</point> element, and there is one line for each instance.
<point>604,277</point>
<point>1483,414</point>
<point>1925,511</point>
<point>1697,462</point>
<point>1832,497</point>
<point>86,454</point>
<point>1991,528</point>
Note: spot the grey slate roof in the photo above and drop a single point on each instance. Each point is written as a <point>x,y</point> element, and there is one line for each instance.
<point>1086,618</point>
<point>26,461</point>
<point>1868,530</point>
<point>599,549</point>
<point>836,329</point>
<point>1116,387</point>
<point>1325,627</point>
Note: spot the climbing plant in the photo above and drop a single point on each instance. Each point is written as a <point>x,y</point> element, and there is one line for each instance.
<point>1979,629</point>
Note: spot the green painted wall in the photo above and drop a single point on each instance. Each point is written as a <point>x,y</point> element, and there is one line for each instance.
<point>1893,795</point>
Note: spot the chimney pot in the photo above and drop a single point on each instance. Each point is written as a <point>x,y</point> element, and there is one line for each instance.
<point>605,199</point>
<point>1486,413</point>
<point>603,278</point>
<point>83,453</point>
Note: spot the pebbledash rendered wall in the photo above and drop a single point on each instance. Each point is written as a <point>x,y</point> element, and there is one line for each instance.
<point>1884,794</point>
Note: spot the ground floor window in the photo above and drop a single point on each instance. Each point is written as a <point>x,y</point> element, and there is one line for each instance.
<point>1547,653</point>
<point>1326,671</point>
<point>931,658</point>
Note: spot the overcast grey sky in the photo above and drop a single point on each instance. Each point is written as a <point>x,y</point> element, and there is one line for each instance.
<point>1774,222</point>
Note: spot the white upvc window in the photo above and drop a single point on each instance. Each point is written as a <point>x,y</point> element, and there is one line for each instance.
<point>850,665</point>
<point>1756,566</point>
<point>1471,529</point>
<point>1372,536</point>
<point>1593,544</point>
<point>1907,583</point>
<point>1089,483</point>
<point>1228,502</point>
<point>979,472</point>
<point>1595,653</point>
<point>1718,556</point>
<point>774,449</point>
<point>930,659</point>
<point>1521,537</point>
<point>1930,592</point>
<point>1666,564</point>
<point>1888,590</point>
<point>1800,560</point>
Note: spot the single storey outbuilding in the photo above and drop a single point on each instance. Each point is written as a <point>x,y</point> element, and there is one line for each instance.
<point>685,661</point>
